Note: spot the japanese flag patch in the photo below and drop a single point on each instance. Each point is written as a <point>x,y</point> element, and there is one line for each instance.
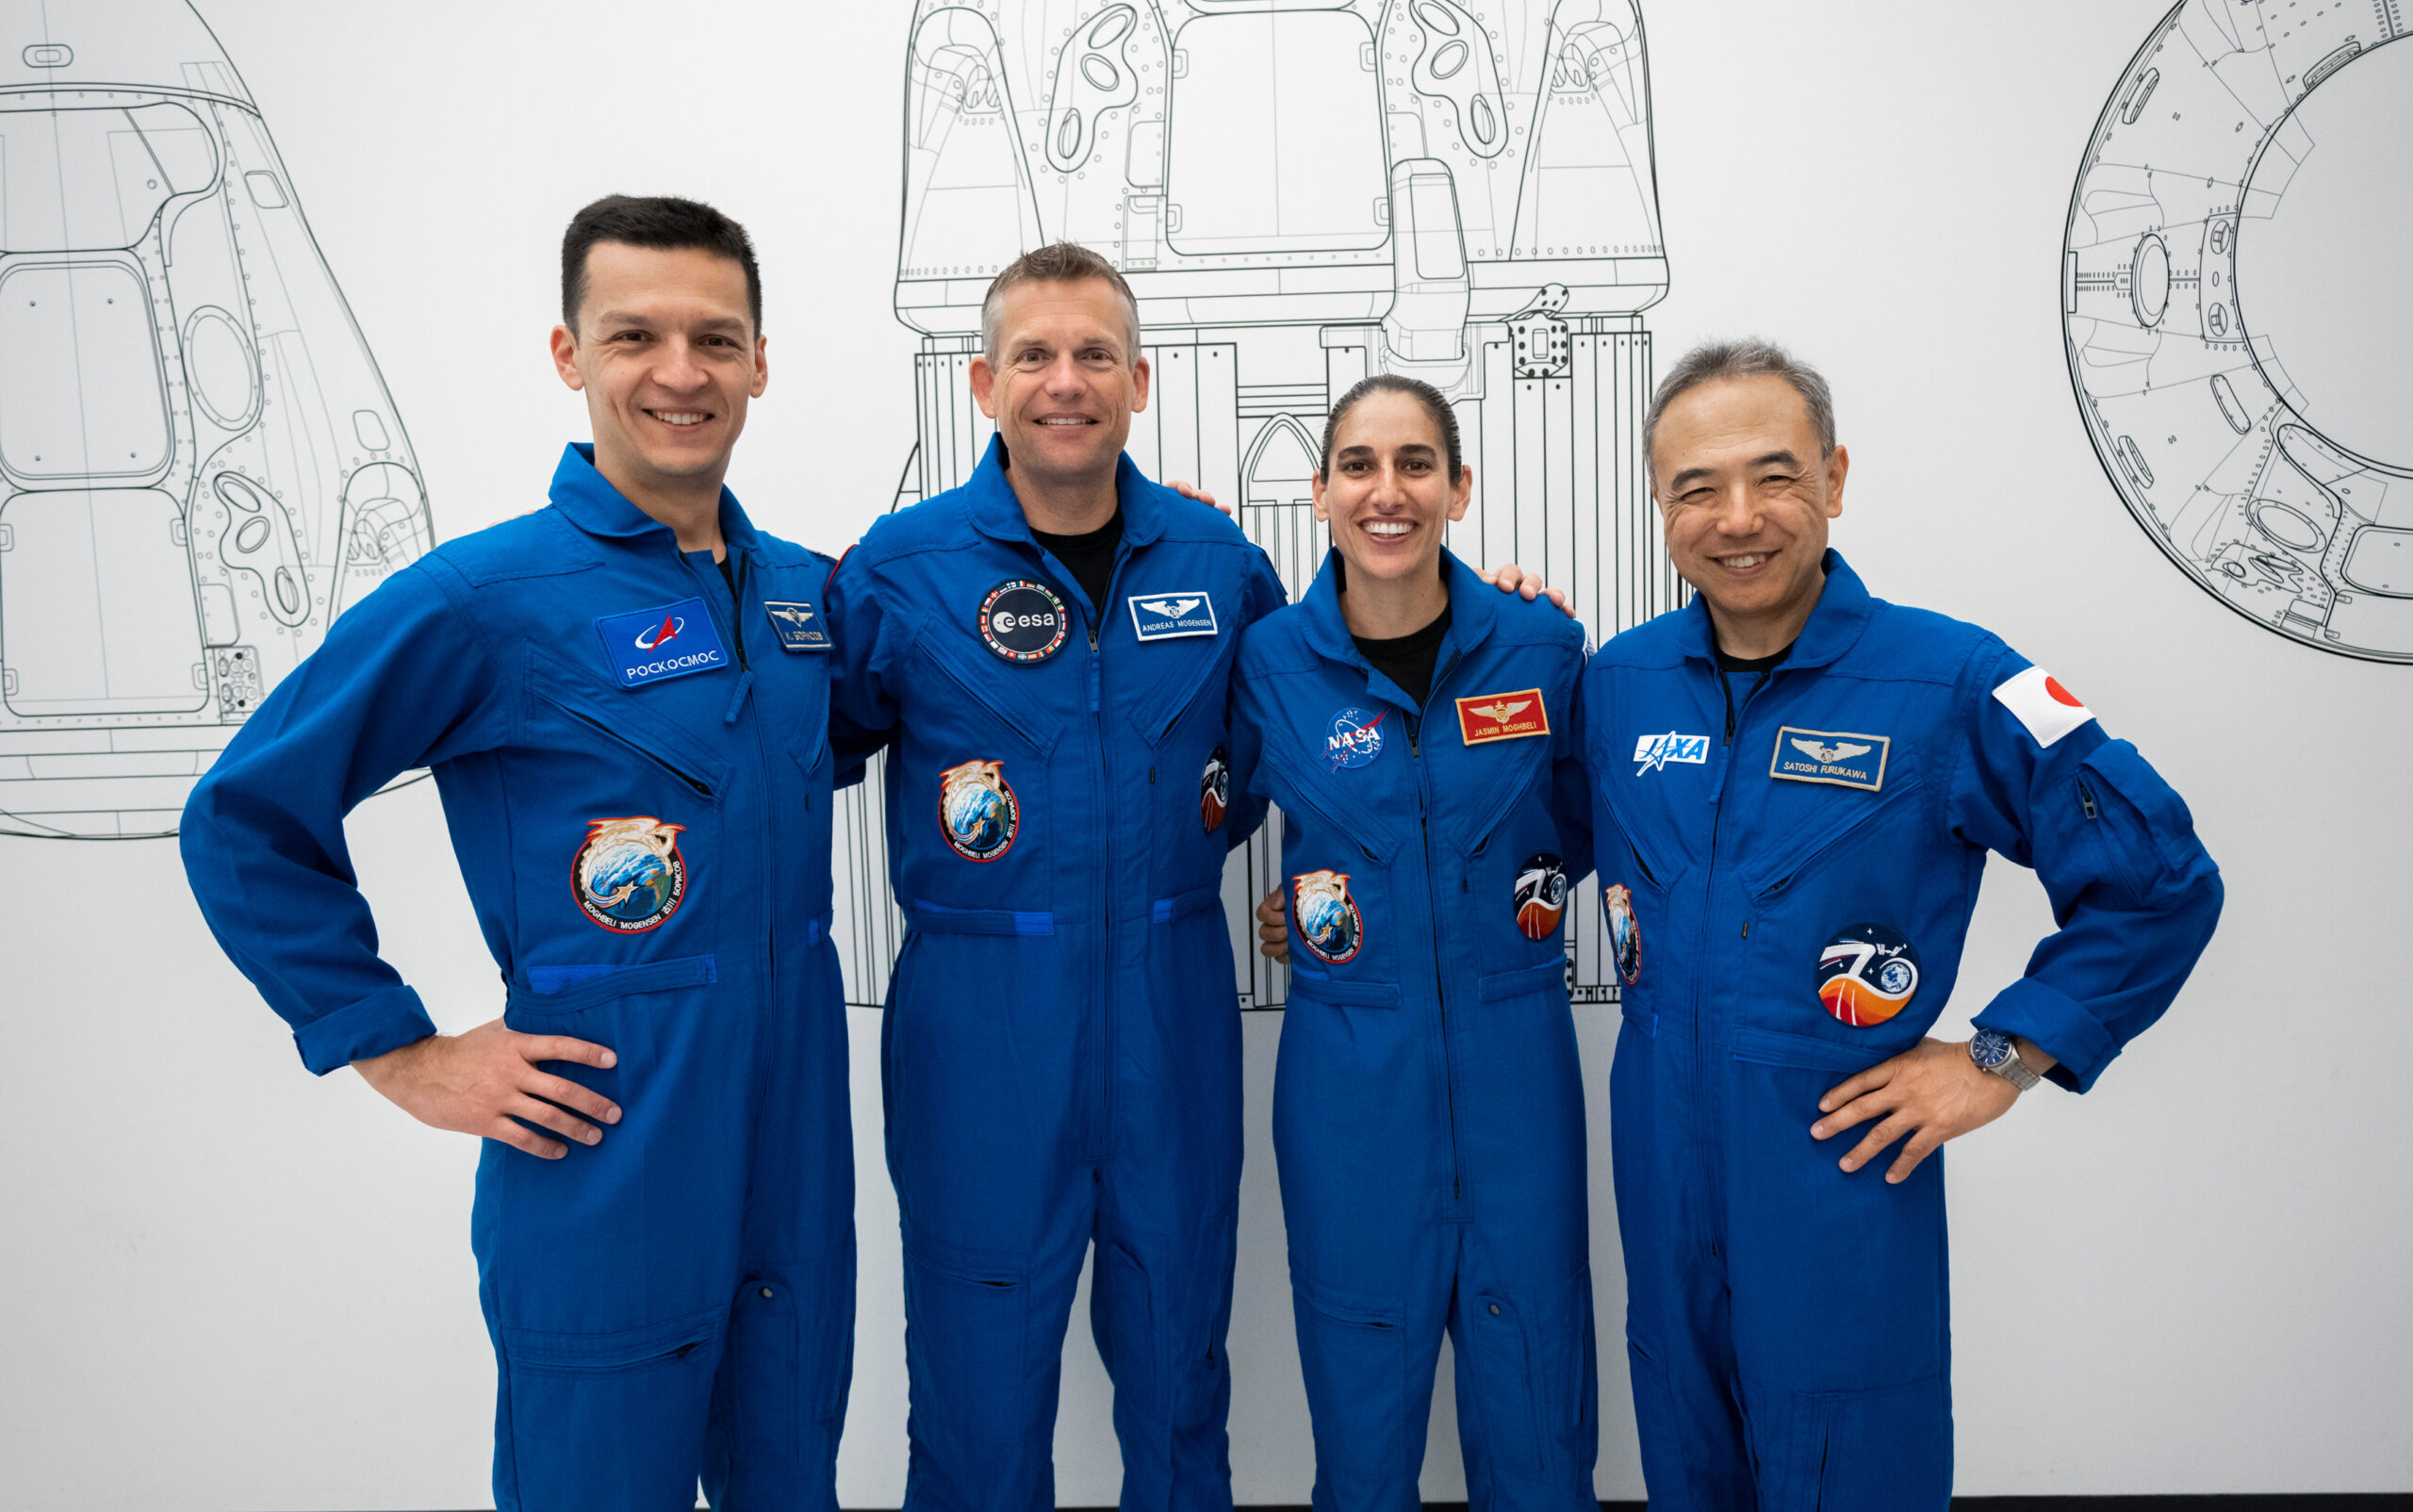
<point>2047,709</point>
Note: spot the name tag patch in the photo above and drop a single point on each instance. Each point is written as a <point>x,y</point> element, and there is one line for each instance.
<point>1171,616</point>
<point>652,645</point>
<point>1489,717</point>
<point>1827,756</point>
<point>798,624</point>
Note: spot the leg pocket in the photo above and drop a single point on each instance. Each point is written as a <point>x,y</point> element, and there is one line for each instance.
<point>603,1420</point>
<point>1888,1449</point>
<point>1527,1357</point>
<point>1654,1419</point>
<point>1353,1352</point>
<point>964,1328</point>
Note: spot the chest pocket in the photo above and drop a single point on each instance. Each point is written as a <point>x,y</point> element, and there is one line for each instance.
<point>982,820</point>
<point>1347,937</point>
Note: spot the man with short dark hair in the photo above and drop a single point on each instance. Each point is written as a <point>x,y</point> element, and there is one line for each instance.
<point>1794,787</point>
<point>624,698</point>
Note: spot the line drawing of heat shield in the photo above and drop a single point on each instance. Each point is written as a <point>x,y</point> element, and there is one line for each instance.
<point>200,466</point>
<point>2235,311</point>
<point>1300,194</point>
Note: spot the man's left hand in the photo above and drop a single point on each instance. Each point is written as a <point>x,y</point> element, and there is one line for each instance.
<point>1931,1092</point>
<point>1510,578</point>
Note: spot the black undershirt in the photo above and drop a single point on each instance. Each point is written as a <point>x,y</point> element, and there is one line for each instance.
<point>1407,660</point>
<point>1089,556</point>
<point>1740,677</point>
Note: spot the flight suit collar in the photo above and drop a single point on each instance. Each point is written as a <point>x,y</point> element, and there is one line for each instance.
<point>587,500</point>
<point>1474,609</point>
<point>997,513</point>
<point>1834,627</point>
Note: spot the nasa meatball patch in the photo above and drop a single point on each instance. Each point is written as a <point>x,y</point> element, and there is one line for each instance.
<point>1827,756</point>
<point>628,875</point>
<point>1867,974</point>
<point>1489,717</point>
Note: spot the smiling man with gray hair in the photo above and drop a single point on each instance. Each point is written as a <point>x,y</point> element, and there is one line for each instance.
<point>1795,785</point>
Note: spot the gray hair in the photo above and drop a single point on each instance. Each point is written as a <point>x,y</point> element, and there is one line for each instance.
<point>1750,358</point>
<point>1059,262</point>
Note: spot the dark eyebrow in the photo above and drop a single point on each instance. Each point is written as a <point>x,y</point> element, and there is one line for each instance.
<point>1684,479</point>
<point>1780,458</point>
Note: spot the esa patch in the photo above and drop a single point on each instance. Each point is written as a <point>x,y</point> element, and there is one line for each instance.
<point>1653,753</point>
<point>1867,974</point>
<point>1353,738</point>
<point>1171,616</point>
<point>797,624</point>
<point>1541,895</point>
<point>978,810</point>
<point>1489,717</point>
<point>1214,791</point>
<point>1824,756</point>
<point>628,874</point>
<point>1328,922</point>
<point>1625,931</point>
<point>654,645</point>
<point>2039,701</point>
<point>1023,621</point>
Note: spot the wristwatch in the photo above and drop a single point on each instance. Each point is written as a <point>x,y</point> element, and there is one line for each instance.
<point>1992,1052</point>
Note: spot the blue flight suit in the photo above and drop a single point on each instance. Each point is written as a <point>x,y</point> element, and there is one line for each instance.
<point>636,772</point>
<point>1428,1105</point>
<point>1799,893</point>
<point>1062,1052</point>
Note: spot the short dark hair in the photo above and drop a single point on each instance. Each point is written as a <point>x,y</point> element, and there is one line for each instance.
<point>663,223</point>
<point>1749,357</point>
<point>1445,418</point>
<point>1059,262</point>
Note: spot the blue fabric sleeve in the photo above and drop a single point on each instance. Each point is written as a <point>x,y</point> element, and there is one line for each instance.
<point>1261,595</point>
<point>2134,893</point>
<point>862,707</point>
<point>404,680</point>
<point>1570,783</point>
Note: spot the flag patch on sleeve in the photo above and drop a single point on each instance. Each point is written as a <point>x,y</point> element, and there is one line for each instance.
<point>2037,702</point>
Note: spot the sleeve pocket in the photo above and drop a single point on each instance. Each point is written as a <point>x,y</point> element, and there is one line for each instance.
<point>2144,822</point>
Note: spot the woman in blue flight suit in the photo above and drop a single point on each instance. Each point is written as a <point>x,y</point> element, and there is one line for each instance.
<point>1421,737</point>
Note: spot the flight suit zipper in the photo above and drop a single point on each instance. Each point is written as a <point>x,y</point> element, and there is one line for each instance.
<point>1440,991</point>
<point>1100,805</point>
<point>733,584</point>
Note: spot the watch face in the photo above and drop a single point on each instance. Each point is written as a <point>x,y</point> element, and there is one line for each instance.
<point>1990,1049</point>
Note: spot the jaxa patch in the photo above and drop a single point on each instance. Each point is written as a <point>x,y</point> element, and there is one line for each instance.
<point>628,875</point>
<point>653,645</point>
<point>1652,752</point>
<point>1328,922</point>
<point>1824,756</point>
<point>1354,737</point>
<point>1214,791</point>
<point>1023,621</point>
<point>1489,717</point>
<point>1171,616</point>
<point>977,810</point>
<point>1541,895</point>
<point>1867,974</point>
<point>798,624</point>
<point>1625,931</point>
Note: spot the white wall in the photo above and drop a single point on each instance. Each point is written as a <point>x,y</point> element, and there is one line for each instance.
<point>225,1284</point>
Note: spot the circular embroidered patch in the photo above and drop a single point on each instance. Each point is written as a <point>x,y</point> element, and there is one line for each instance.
<point>1354,737</point>
<point>1625,931</point>
<point>1541,895</point>
<point>1214,792</point>
<point>1867,974</point>
<point>978,810</point>
<point>1023,621</point>
<point>628,875</point>
<point>1328,922</point>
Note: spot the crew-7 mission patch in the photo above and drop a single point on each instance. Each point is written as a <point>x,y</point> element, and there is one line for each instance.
<point>1171,616</point>
<point>1825,756</point>
<point>1489,717</point>
<point>798,624</point>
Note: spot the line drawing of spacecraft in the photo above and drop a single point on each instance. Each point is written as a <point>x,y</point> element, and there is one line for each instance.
<point>200,466</point>
<point>1302,193</point>
<point>2235,311</point>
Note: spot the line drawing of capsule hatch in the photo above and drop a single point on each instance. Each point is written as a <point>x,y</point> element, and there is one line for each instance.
<point>1302,193</point>
<point>200,466</point>
<point>2236,310</point>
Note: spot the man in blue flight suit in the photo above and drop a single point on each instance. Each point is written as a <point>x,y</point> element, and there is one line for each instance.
<point>1049,649</point>
<point>624,698</point>
<point>1796,784</point>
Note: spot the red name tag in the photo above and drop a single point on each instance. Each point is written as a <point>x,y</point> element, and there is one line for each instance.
<point>1490,717</point>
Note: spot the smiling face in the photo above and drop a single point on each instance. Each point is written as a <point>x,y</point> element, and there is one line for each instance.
<point>1065,381</point>
<point>668,357</point>
<point>1387,492</point>
<point>1744,498</point>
